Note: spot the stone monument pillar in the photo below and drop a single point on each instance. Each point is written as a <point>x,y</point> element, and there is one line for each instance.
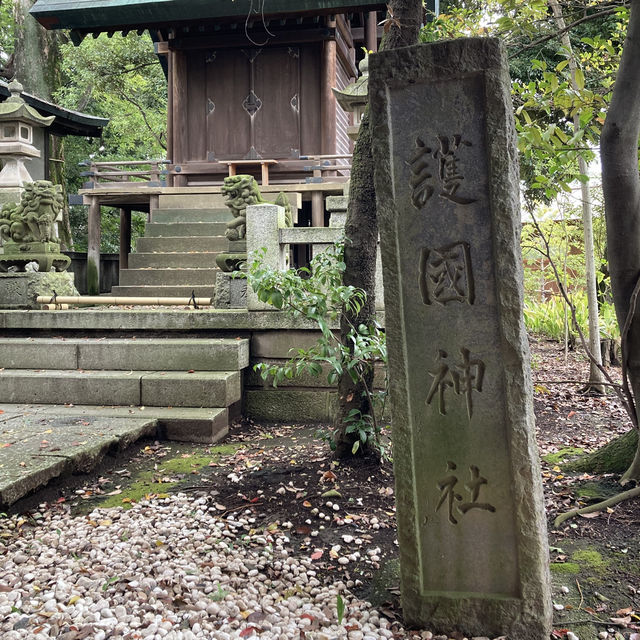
<point>471,526</point>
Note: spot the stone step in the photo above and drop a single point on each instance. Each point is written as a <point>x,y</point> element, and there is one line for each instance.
<point>182,244</point>
<point>199,260</point>
<point>192,200</point>
<point>172,276</point>
<point>165,291</point>
<point>192,215</point>
<point>186,424</point>
<point>125,354</point>
<point>181,229</point>
<point>218,389</point>
<point>48,441</point>
<point>45,446</point>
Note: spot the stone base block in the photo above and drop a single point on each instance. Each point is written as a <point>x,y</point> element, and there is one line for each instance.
<point>231,293</point>
<point>20,290</point>
<point>290,405</point>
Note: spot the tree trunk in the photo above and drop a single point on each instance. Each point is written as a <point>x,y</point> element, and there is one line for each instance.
<point>596,378</point>
<point>614,457</point>
<point>621,187</point>
<point>361,231</point>
<point>37,54</point>
<point>38,69</point>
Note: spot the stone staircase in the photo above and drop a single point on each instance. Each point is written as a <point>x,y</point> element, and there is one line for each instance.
<point>177,255</point>
<point>191,386</point>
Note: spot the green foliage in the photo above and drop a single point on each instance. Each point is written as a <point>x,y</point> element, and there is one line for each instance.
<point>7,28</point>
<point>340,608</point>
<point>317,294</point>
<point>119,78</point>
<point>109,228</point>
<point>545,98</point>
<point>548,318</point>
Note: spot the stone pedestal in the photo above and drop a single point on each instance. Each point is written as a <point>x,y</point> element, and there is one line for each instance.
<point>264,222</point>
<point>230,293</point>
<point>471,525</point>
<point>46,254</point>
<point>20,290</point>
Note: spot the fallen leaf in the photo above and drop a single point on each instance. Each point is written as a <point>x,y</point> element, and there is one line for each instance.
<point>622,622</point>
<point>248,631</point>
<point>316,555</point>
<point>306,504</point>
<point>624,612</point>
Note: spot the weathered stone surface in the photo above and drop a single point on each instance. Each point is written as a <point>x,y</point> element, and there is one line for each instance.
<point>263,224</point>
<point>36,450</point>
<point>187,424</point>
<point>231,293</point>
<point>20,290</point>
<point>232,321</point>
<point>199,389</point>
<point>281,344</point>
<point>300,405</point>
<point>470,511</point>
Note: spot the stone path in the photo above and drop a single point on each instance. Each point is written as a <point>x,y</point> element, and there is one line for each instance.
<point>38,444</point>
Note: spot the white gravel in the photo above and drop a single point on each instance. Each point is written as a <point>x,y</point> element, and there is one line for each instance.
<point>172,569</point>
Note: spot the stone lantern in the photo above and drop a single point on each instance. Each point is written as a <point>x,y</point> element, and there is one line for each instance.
<point>17,123</point>
<point>355,96</point>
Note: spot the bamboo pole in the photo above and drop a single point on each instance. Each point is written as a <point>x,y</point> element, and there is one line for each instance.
<point>123,300</point>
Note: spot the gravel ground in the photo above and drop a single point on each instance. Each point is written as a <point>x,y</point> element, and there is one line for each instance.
<point>174,569</point>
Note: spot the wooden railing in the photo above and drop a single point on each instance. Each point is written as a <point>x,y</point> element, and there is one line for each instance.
<point>327,164</point>
<point>147,172</point>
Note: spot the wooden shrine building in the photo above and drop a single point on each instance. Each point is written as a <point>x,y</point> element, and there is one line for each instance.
<point>249,82</point>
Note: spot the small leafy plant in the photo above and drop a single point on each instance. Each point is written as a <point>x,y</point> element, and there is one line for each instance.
<point>317,294</point>
<point>340,608</point>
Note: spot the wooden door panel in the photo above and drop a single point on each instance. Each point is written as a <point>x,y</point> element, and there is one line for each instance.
<point>277,85</point>
<point>228,131</point>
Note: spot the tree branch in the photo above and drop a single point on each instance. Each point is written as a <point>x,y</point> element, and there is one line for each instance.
<point>571,25</point>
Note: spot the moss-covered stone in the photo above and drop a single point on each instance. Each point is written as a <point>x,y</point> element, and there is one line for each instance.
<point>591,559</point>
<point>614,457</point>
<point>565,568</point>
<point>169,476</point>
<point>562,454</point>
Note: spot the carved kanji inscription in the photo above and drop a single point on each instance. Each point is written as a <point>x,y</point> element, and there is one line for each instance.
<point>445,274</point>
<point>462,378</point>
<point>454,500</point>
<point>447,176</point>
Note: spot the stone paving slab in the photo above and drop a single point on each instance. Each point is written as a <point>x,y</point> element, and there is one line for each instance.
<point>36,446</point>
<point>185,424</point>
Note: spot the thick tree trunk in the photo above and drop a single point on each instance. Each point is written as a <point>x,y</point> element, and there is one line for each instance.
<point>362,232</point>
<point>38,69</point>
<point>621,187</point>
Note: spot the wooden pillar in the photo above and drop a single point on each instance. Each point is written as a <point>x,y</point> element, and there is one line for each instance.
<point>371,31</point>
<point>93,248</point>
<point>328,100</point>
<point>154,203</point>
<point>317,209</point>
<point>170,114</point>
<point>179,113</point>
<point>125,237</point>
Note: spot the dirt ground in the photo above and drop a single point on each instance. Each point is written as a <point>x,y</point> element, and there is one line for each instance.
<point>283,477</point>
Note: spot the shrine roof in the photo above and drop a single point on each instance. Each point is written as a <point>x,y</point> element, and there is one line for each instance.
<point>117,15</point>
<point>67,122</point>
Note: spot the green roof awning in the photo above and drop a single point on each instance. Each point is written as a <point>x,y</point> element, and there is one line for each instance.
<point>115,15</point>
<point>67,122</point>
